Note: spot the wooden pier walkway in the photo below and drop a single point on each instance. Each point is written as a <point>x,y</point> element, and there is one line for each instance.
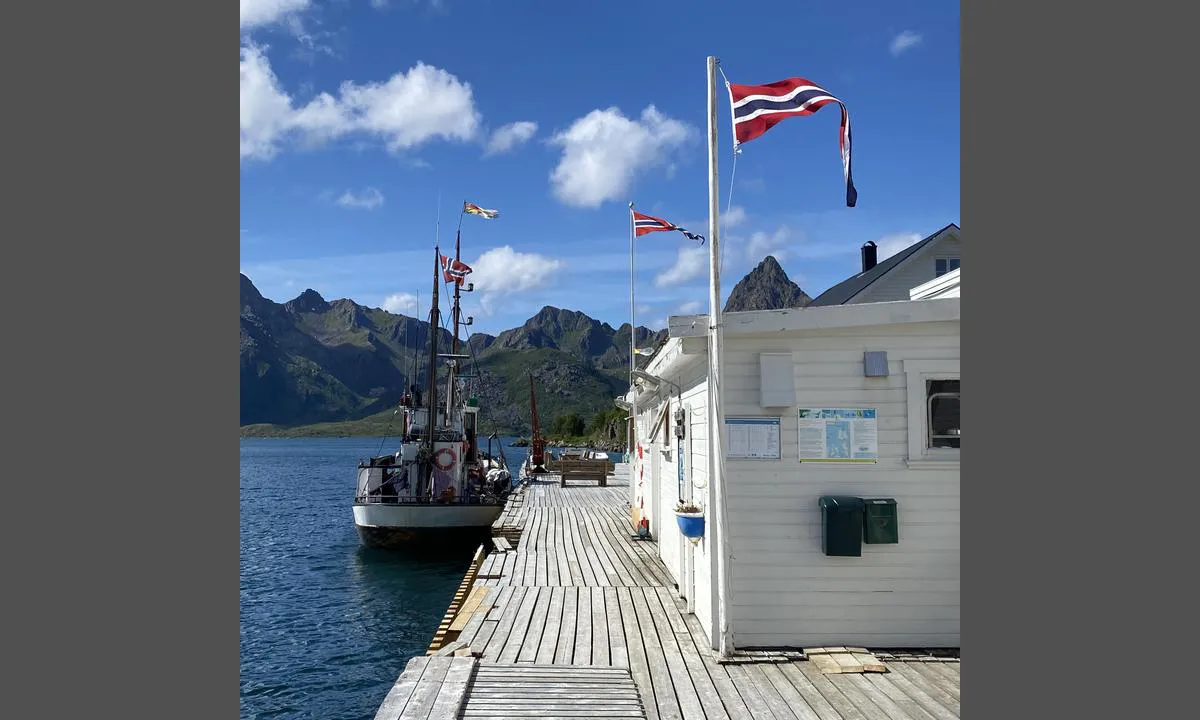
<point>577,614</point>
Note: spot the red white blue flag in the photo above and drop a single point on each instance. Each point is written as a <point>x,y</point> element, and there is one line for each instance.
<point>643,224</point>
<point>454,271</point>
<point>756,109</point>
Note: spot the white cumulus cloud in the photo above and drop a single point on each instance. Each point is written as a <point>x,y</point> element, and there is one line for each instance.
<point>691,307</point>
<point>400,302</point>
<point>509,136</point>
<point>407,110</point>
<point>904,41</point>
<point>503,271</point>
<point>736,215</point>
<point>691,263</point>
<point>889,245</point>
<point>604,151</point>
<point>368,199</point>
<point>256,13</point>
<point>762,244</point>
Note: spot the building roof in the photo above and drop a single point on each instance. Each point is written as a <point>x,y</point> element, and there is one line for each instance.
<point>844,291</point>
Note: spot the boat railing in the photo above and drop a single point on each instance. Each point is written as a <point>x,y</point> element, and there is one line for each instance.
<point>470,499</point>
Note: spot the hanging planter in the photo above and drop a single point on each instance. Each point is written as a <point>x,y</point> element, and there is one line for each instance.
<point>691,521</point>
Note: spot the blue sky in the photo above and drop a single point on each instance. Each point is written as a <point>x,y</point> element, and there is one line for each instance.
<point>357,115</point>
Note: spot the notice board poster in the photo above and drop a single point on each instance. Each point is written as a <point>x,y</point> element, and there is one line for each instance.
<point>839,435</point>
<point>752,438</point>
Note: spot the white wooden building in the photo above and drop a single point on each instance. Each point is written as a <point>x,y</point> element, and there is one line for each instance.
<point>939,287</point>
<point>785,592</point>
<point>892,279</point>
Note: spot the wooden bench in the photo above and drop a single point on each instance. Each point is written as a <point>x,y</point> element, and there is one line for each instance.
<point>571,468</point>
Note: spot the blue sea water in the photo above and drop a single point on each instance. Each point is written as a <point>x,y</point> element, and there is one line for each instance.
<point>326,624</point>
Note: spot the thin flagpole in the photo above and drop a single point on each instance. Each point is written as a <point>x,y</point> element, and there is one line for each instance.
<point>716,417</point>
<point>632,349</point>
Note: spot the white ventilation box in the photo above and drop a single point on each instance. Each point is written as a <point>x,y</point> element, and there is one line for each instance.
<point>777,380</point>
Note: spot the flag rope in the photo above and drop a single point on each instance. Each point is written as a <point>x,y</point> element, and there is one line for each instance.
<point>732,170</point>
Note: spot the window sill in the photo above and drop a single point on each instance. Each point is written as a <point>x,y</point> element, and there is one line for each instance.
<point>932,463</point>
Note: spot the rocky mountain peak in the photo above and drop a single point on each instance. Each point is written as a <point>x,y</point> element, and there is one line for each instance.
<point>766,287</point>
<point>309,301</point>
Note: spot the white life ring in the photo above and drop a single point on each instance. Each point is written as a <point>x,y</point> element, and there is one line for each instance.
<point>437,459</point>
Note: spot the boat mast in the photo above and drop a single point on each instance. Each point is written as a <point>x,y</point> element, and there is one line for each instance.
<point>454,312</point>
<point>434,324</point>
<point>457,287</point>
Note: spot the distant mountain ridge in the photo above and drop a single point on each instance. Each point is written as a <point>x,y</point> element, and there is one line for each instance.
<point>311,360</point>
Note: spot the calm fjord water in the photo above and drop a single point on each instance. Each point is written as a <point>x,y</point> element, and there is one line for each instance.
<point>326,625</point>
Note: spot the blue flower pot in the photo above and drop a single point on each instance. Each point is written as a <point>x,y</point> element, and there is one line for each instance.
<point>691,525</point>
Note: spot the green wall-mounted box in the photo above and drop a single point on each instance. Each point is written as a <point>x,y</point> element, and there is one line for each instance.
<point>841,525</point>
<point>881,524</point>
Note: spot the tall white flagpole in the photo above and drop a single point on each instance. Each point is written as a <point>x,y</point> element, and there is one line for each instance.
<point>716,416</point>
<point>632,364</point>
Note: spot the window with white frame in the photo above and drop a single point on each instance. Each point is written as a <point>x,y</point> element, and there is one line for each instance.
<point>944,265</point>
<point>943,427</point>
<point>934,429</point>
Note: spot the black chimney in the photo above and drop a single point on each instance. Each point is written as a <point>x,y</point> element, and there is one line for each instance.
<point>868,256</point>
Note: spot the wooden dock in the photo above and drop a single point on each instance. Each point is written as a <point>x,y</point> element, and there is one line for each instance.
<point>579,620</point>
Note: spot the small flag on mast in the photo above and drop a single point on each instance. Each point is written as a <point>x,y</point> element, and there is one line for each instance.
<point>644,351</point>
<point>473,209</point>
<point>454,271</point>
<point>757,108</point>
<point>643,224</point>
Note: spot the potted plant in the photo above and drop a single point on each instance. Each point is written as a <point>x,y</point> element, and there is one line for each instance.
<point>690,517</point>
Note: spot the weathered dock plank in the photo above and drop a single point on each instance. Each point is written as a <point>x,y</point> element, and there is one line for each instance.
<point>564,648</point>
<point>540,691</point>
<point>398,697</point>
<point>453,694</point>
<point>927,685</point>
<point>572,617</point>
<point>430,688</point>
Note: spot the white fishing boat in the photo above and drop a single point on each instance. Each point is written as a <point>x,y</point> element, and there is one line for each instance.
<point>439,482</point>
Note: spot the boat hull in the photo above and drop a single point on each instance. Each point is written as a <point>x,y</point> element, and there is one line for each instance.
<point>383,525</point>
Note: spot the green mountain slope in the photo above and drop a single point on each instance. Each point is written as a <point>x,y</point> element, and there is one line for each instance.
<point>311,361</point>
<point>309,366</point>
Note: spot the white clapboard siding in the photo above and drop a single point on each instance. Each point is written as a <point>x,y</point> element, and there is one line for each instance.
<point>690,374</point>
<point>785,590</point>
<point>943,286</point>
<point>695,397</point>
<point>914,271</point>
<point>668,491</point>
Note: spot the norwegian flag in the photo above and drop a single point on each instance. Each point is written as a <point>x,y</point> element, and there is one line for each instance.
<point>757,108</point>
<point>643,224</point>
<point>454,271</point>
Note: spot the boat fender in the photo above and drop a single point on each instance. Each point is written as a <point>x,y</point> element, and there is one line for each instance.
<point>438,459</point>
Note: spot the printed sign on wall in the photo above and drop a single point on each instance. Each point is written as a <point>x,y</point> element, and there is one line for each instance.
<point>754,438</point>
<point>845,435</point>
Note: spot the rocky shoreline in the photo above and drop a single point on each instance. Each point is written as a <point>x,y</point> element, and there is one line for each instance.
<point>559,443</point>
